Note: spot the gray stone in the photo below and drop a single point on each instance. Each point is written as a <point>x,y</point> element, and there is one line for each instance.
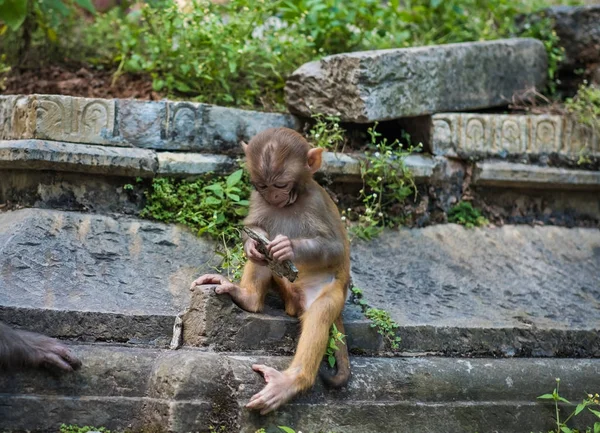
<point>468,135</point>
<point>60,118</point>
<point>191,390</point>
<point>579,31</point>
<point>514,175</point>
<point>535,281</point>
<point>80,262</point>
<point>181,126</point>
<point>380,85</point>
<point>78,158</point>
<point>191,164</point>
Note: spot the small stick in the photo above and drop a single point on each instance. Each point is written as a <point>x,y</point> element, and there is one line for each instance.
<point>176,341</point>
<point>285,269</point>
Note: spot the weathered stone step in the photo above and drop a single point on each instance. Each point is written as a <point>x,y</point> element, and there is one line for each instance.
<point>192,390</point>
<point>368,86</point>
<point>164,125</point>
<point>496,292</point>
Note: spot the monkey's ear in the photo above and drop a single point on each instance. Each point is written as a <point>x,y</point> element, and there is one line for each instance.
<point>244,146</point>
<point>314,159</point>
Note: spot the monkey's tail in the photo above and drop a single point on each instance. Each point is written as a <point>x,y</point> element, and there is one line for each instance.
<point>342,362</point>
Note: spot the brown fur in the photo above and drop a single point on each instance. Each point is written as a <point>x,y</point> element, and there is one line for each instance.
<point>289,203</point>
<point>20,349</point>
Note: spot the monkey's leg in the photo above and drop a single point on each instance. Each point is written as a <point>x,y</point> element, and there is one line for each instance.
<point>301,374</point>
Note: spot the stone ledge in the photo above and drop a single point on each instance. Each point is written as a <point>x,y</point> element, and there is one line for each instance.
<point>514,175</point>
<point>163,125</point>
<point>77,158</point>
<point>190,390</point>
<point>369,86</point>
<point>469,135</point>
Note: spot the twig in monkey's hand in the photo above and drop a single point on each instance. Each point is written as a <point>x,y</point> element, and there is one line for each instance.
<point>285,269</point>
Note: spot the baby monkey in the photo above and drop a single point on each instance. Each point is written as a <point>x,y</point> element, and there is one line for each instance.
<point>289,207</point>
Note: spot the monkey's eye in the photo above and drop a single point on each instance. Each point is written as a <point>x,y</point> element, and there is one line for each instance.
<point>281,185</point>
<point>260,186</point>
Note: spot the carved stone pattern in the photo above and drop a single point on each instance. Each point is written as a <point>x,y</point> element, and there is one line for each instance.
<point>511,136</point>
<point>475,135</point>
<point>184,123</point>
<point>545,138</point>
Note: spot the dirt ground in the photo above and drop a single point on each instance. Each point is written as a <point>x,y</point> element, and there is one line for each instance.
<point>58,80</point>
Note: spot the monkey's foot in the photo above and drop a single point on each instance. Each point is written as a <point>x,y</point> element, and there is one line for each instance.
<point>280,388</point>
<point>224,285</point>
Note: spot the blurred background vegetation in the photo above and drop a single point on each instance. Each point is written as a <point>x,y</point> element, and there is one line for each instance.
<point>239,52</point>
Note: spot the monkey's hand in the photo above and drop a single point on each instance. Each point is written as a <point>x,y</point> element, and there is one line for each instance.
<point>252,253</point>
<point>42,351</point>
<point>281,248</point>
<point>279,389</point>
<point>223,284</point>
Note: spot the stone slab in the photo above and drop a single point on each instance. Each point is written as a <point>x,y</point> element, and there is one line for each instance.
<point>515,175</point>
<point>162,125</point>
<point>73,261</point>
<point>77,158</point>
<point>534,279</point>
<point>191,164</point>
<point>468,135</point>
<point>58,117</point>
<point>369,86</point>
<point>190,390</point>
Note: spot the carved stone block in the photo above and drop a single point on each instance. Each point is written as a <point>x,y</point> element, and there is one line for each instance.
<point>468,135</point>
<point>59,118</point>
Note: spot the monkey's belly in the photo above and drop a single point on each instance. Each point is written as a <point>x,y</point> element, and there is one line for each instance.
<point>312,286</point>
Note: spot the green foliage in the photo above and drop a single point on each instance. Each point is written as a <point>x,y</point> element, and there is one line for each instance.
<point>212,206</point>
<point>542,29</point>
<point>385,325</point>
<point>335,337</point>
<point>387,184</point>
<point>85,429</point>
<point>591,401</point>
<point>240,52</point>
<point>4,69</point>
<point>465,214</point>
<point>585,106</point>
<point>327,132</point>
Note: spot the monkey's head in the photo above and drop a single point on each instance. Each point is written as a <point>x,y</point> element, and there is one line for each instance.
<point>280,162</point>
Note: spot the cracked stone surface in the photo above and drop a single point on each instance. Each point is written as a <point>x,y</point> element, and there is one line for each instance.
<point>369,86</point>
<point>73,261</point>
<point>512,276</point>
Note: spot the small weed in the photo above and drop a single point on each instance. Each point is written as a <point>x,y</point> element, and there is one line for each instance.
<point>221,429</point>
<point>84,429</point>
<point>585,106</point>
<point>385,325</point>
<point>335,337</point>
<point>212,206</point>
<point>387,183</point>
<point>591,400</point>
<point>128,187</point>
<point>327,133</point>
<point>465,214</point>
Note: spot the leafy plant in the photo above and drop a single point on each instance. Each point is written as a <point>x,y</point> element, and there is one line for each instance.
<point>465,214</point>
<point>335,337</point>
<point>327,132</point>
<point>387,183</point>
<point>585,106</point>
<point>64,428</point>
<point>589,402</point>
<point>212,206</point>
<point>386,326</point>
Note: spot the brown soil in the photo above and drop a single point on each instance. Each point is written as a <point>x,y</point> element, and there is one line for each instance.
<point>91,83</point>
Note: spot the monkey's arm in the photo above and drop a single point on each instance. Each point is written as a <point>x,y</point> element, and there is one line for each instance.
<point>324,249</point>
<point>28,349</point>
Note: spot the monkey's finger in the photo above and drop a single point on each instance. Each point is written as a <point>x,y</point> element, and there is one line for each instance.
<point>282,255</point>
<point>56,361</point>
<point>209,279</point>
<point>255,254</point>
<point>224,288</point>
<point>280,246</point>
<point>66,354</point>
<point>267,372</point>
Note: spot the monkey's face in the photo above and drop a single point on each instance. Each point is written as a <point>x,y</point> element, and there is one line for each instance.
<point>280,193</point>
